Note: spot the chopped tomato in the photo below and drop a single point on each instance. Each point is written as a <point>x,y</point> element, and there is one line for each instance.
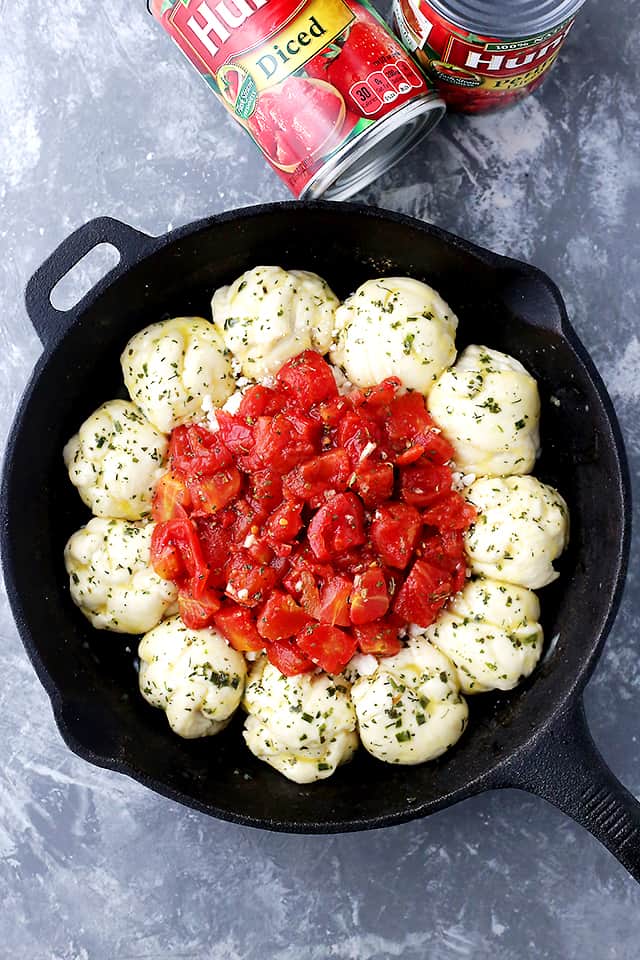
<point>458,577</point>
<point>358,433</point>
<point>281,617</point>
<point>179,446</point>
<point>305,559</point>
<point>410,424</point>
<point>369,597</point>
<point>377,399</point>
<point>260,401</point>
<point>283,441</point>
<point>258,550</point>
<point>423,484</point>
<point>269,509</point>
<point>166,559</point>
<point>285,523</point>
<point>333,603</point>
<point>423,594</point>
<point>265,491</point>
<point>410,455</point>
<point>240,519</point>
<point>374,482</point>
<point>394,532</point>
<point>353,562</point>
<point>437,448</point>
<point>249,581</point>
<point>329,647</point>
<point>238,438</point>
<point>197,452</point>
<point>408,420</point>
<point>379,639</point>
<point>337,527</point>
<point>170,498</point>
<point>288,658</point>
<point>311,481</point>
<point>441,548</point>
<point>176,552</point>
<point>238,626</point>
<point>330,412</point>
<point>451,513</point>
<point>198,613</point>
<point>302,585</point>
<point>216,543</point>
<point>210,494</point>
<point>308,379</point>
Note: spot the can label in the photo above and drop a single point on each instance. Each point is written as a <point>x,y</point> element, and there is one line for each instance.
<point>474,72</point>
<point>303,77</point>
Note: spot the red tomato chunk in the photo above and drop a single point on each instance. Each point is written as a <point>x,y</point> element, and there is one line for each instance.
<point>379,639</point>
<point>312,525</point>
<point>328,647</point>
<point>369,597</point>
<point>239,628</point>
<point>337,527</point>
<point>198,613</point>
<point>281,617</point>
<point>308,379</point>
<point>394,532</point>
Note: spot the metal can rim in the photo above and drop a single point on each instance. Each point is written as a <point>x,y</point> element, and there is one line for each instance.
<point>418,118</point>
<point>513,21</point>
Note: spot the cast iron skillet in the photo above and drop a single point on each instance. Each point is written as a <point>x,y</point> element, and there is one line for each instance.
<point>534,738</point>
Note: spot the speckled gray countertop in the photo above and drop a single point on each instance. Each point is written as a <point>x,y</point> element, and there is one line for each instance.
<point>99,115</point>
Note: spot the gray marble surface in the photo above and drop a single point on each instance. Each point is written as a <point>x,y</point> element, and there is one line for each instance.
<point>99,115</point>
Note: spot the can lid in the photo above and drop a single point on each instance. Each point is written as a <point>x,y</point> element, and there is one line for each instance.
<point>376,150</point>
<point>507,19</point>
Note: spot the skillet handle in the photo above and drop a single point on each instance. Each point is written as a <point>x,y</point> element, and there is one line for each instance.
<point>567,769</point>
<point>132,245</point>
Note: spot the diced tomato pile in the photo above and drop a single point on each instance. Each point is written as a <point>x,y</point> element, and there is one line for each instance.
<point>311,524</point>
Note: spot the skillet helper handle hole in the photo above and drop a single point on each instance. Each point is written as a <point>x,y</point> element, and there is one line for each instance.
<point>567,769</point>
<point>83,276</point>
<point>59,289</point>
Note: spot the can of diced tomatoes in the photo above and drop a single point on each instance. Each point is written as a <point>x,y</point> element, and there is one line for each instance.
<point>485,54</point>
<point>323,87</point>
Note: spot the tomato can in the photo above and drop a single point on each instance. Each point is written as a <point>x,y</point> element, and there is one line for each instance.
<point>323,87</point>
<point>485,54</point>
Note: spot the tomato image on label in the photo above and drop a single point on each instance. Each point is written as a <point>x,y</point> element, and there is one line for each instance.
<point>359,57</point>
<point>300,119</point>
<point>366,71</point>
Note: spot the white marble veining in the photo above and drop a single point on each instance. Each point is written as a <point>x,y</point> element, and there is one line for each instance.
<point>100,115</point>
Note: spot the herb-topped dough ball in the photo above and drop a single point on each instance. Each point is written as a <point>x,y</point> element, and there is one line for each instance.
<point>115,460</point>
<point>111,578</point>
<point>410,710</point>
<point>170,366</point>
<point>303,726</point>
<point>489,409</point>
<point>398,327</point>
<point>491,634</point>
<point>522,527</point>
<point>269,315</point>
<point>193,675</point>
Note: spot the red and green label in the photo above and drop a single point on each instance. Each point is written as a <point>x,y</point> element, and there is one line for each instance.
<point>303,77</point>
<point>475,72</point>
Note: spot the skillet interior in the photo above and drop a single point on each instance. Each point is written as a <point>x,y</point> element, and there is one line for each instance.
<point>90,675</point>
